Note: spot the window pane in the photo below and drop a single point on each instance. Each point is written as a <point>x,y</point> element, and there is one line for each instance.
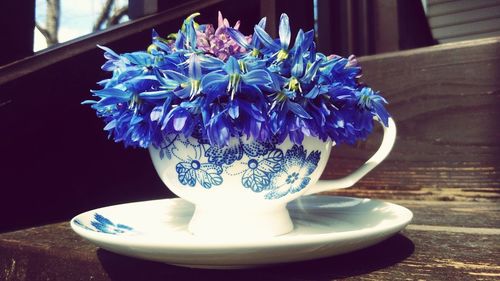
<point>62,20</point>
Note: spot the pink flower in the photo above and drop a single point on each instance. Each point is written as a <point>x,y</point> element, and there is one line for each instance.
<point>217,42</point>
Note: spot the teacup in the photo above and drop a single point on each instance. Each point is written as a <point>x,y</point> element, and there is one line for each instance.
<point>241,190</point>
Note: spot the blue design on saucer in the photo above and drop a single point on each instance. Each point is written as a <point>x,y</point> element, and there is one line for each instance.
<point>104,225</point>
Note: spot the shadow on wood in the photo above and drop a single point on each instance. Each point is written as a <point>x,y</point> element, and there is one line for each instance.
<point>382,255</point>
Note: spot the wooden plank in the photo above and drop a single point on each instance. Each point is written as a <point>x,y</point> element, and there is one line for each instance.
<point>471,37</point>
<point>419,253</point>
<point>472,215</point>
<point>447,256</point>
<point>435,181</point>
<point>445,101</point>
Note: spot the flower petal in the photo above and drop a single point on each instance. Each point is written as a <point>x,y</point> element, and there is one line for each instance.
<point>155,95</point>
<point>298,110</point>
<point>256,77</point>
<point>111,92</point>
<point>108,53</point>
<point>239,38</point>
<point>234,109</point>
<point>210,63</point>
<point>284,31</point>
<point>194,67</point>
<point>266,40</point>
<point>255,38</point>
<point>232,66</point>
<point>179,122</point>
<point>184,92</point>
<point>298,64</point>
<point>311,72</point>
<point>179,77</point>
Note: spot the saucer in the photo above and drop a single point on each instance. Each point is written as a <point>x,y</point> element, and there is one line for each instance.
<point>323,226</point>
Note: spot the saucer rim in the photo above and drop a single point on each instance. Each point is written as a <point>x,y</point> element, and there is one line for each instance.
<point>405,216</point>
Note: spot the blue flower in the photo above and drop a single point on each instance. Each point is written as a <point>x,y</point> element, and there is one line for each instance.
<point>114,61</point>
<point>158,44</point>
<point>337,69</point>
<point>255,45</point>
<point>124,111</point>
<point>294,176</point>
<point>234,103</point>
<point>215,85</point>
<point>371,101</point>
<point>286,115</point>
<point>231,80</point>
<point>183,118</point>
<point>191,170</point>
<point>281,51</point>
<point>187,86</point>
<point>126,66</point>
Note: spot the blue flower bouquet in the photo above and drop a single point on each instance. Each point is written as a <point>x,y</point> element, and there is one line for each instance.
<point>239,122</point>
<point>216,84</point>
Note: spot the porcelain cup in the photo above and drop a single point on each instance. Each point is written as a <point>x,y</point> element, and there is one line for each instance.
<point>241,190</point>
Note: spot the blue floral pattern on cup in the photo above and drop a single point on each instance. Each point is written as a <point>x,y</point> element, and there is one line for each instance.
<point>192,169</point>
<point>235,151</point>
<point>263,168</point>
<point>258,172</point>
<point>166,146</point>
<point>294,176</point>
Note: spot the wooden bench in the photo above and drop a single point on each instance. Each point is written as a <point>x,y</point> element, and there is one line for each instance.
<point>444,167</point>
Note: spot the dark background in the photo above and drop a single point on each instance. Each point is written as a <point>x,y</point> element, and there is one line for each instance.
<point>55,159</point>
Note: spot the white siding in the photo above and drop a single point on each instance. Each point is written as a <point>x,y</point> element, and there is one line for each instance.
<point>457,20</point>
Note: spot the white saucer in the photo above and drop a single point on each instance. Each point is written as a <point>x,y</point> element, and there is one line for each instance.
<point>324,226</point>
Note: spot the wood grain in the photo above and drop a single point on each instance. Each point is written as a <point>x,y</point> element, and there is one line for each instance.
<point>446,103</point>
<point>436,246</point>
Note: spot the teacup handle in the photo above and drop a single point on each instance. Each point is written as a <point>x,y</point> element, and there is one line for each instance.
<point>377,158</point>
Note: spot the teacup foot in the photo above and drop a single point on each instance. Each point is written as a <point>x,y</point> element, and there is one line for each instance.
<point>229,223</point>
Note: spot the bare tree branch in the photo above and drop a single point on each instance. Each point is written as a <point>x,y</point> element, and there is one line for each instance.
<point>106,9</point>
<point>52,21</point>
<point>53,15</point>
<point>42,30</point>
<point>116,16</point>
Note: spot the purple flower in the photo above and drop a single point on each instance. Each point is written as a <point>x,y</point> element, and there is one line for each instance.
<point>218,42</point>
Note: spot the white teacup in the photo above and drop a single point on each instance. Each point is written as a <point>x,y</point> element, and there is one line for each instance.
<point>242,189</point>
